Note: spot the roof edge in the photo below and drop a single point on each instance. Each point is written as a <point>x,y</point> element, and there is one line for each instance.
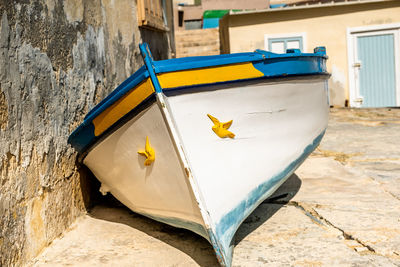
<point>307,6</point>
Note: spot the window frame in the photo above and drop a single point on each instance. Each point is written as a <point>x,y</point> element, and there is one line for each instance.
<point>286,37</point>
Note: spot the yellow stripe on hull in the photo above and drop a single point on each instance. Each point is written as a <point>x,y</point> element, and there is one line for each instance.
<point>121,107</point>
<point>171,80</point>
<point>209,75</point>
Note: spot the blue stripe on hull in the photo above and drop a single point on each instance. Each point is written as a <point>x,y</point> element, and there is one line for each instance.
<point>227,226</point>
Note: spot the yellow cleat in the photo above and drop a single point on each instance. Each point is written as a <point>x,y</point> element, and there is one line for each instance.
<point>148,152</point>
<point>221,128</point>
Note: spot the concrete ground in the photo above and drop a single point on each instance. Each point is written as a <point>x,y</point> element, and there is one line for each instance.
<point>341,207</point>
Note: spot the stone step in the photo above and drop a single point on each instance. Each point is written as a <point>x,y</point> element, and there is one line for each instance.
<point>197,38</point>
<point>197,42</point>
<point>195,32</point>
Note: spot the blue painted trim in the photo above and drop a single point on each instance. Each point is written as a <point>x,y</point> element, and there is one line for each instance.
<point>228,225</point>
<point>188,63</point>
<point>302,65</point>
<point>277,5</point>
<point>148,61</point>
<point>82,136</point>
<point>218,249</point>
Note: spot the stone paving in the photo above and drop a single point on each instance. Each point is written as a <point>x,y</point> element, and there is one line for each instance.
<point>340,208</point>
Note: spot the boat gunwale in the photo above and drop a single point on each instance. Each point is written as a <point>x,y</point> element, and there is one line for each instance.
<point>308,67</point>
<point>188,63</point>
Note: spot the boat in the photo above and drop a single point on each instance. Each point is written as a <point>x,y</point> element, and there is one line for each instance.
<point>199,142</point>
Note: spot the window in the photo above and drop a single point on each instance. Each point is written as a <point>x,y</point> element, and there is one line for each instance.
<point>193,24</point>
<point>279,44</point>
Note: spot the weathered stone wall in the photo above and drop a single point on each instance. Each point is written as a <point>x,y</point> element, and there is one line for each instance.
<point>57,60</point>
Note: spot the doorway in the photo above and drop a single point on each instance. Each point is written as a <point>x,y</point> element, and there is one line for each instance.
<point>374,66</point>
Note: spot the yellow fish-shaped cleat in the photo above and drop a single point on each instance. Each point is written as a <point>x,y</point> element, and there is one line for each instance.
<point>221,128</point>
<point>148,152</point>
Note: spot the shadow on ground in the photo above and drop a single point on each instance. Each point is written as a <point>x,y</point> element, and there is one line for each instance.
<point>281,197</point>
<point>186,241</point>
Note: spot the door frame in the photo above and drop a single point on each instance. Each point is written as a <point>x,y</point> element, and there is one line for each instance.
<point>352,34</point>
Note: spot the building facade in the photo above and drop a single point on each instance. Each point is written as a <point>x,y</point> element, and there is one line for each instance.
<point>361,38</point>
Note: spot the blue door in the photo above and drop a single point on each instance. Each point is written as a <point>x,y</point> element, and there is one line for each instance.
<point>377,73</point>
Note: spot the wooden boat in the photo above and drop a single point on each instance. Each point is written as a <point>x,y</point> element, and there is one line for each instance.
<point>199,142</point>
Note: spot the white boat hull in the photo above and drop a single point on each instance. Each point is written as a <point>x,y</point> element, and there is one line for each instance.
<point>198,180</point>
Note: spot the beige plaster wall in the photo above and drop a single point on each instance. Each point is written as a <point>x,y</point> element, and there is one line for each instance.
<point>324,26</point>
<point>234,4</point>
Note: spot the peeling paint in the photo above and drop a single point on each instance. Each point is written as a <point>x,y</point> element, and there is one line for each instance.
<point>337,85</point>
<point>58,59</point>
<point>73,10</point>
<point>34,226</point>
<point>3,111</point>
